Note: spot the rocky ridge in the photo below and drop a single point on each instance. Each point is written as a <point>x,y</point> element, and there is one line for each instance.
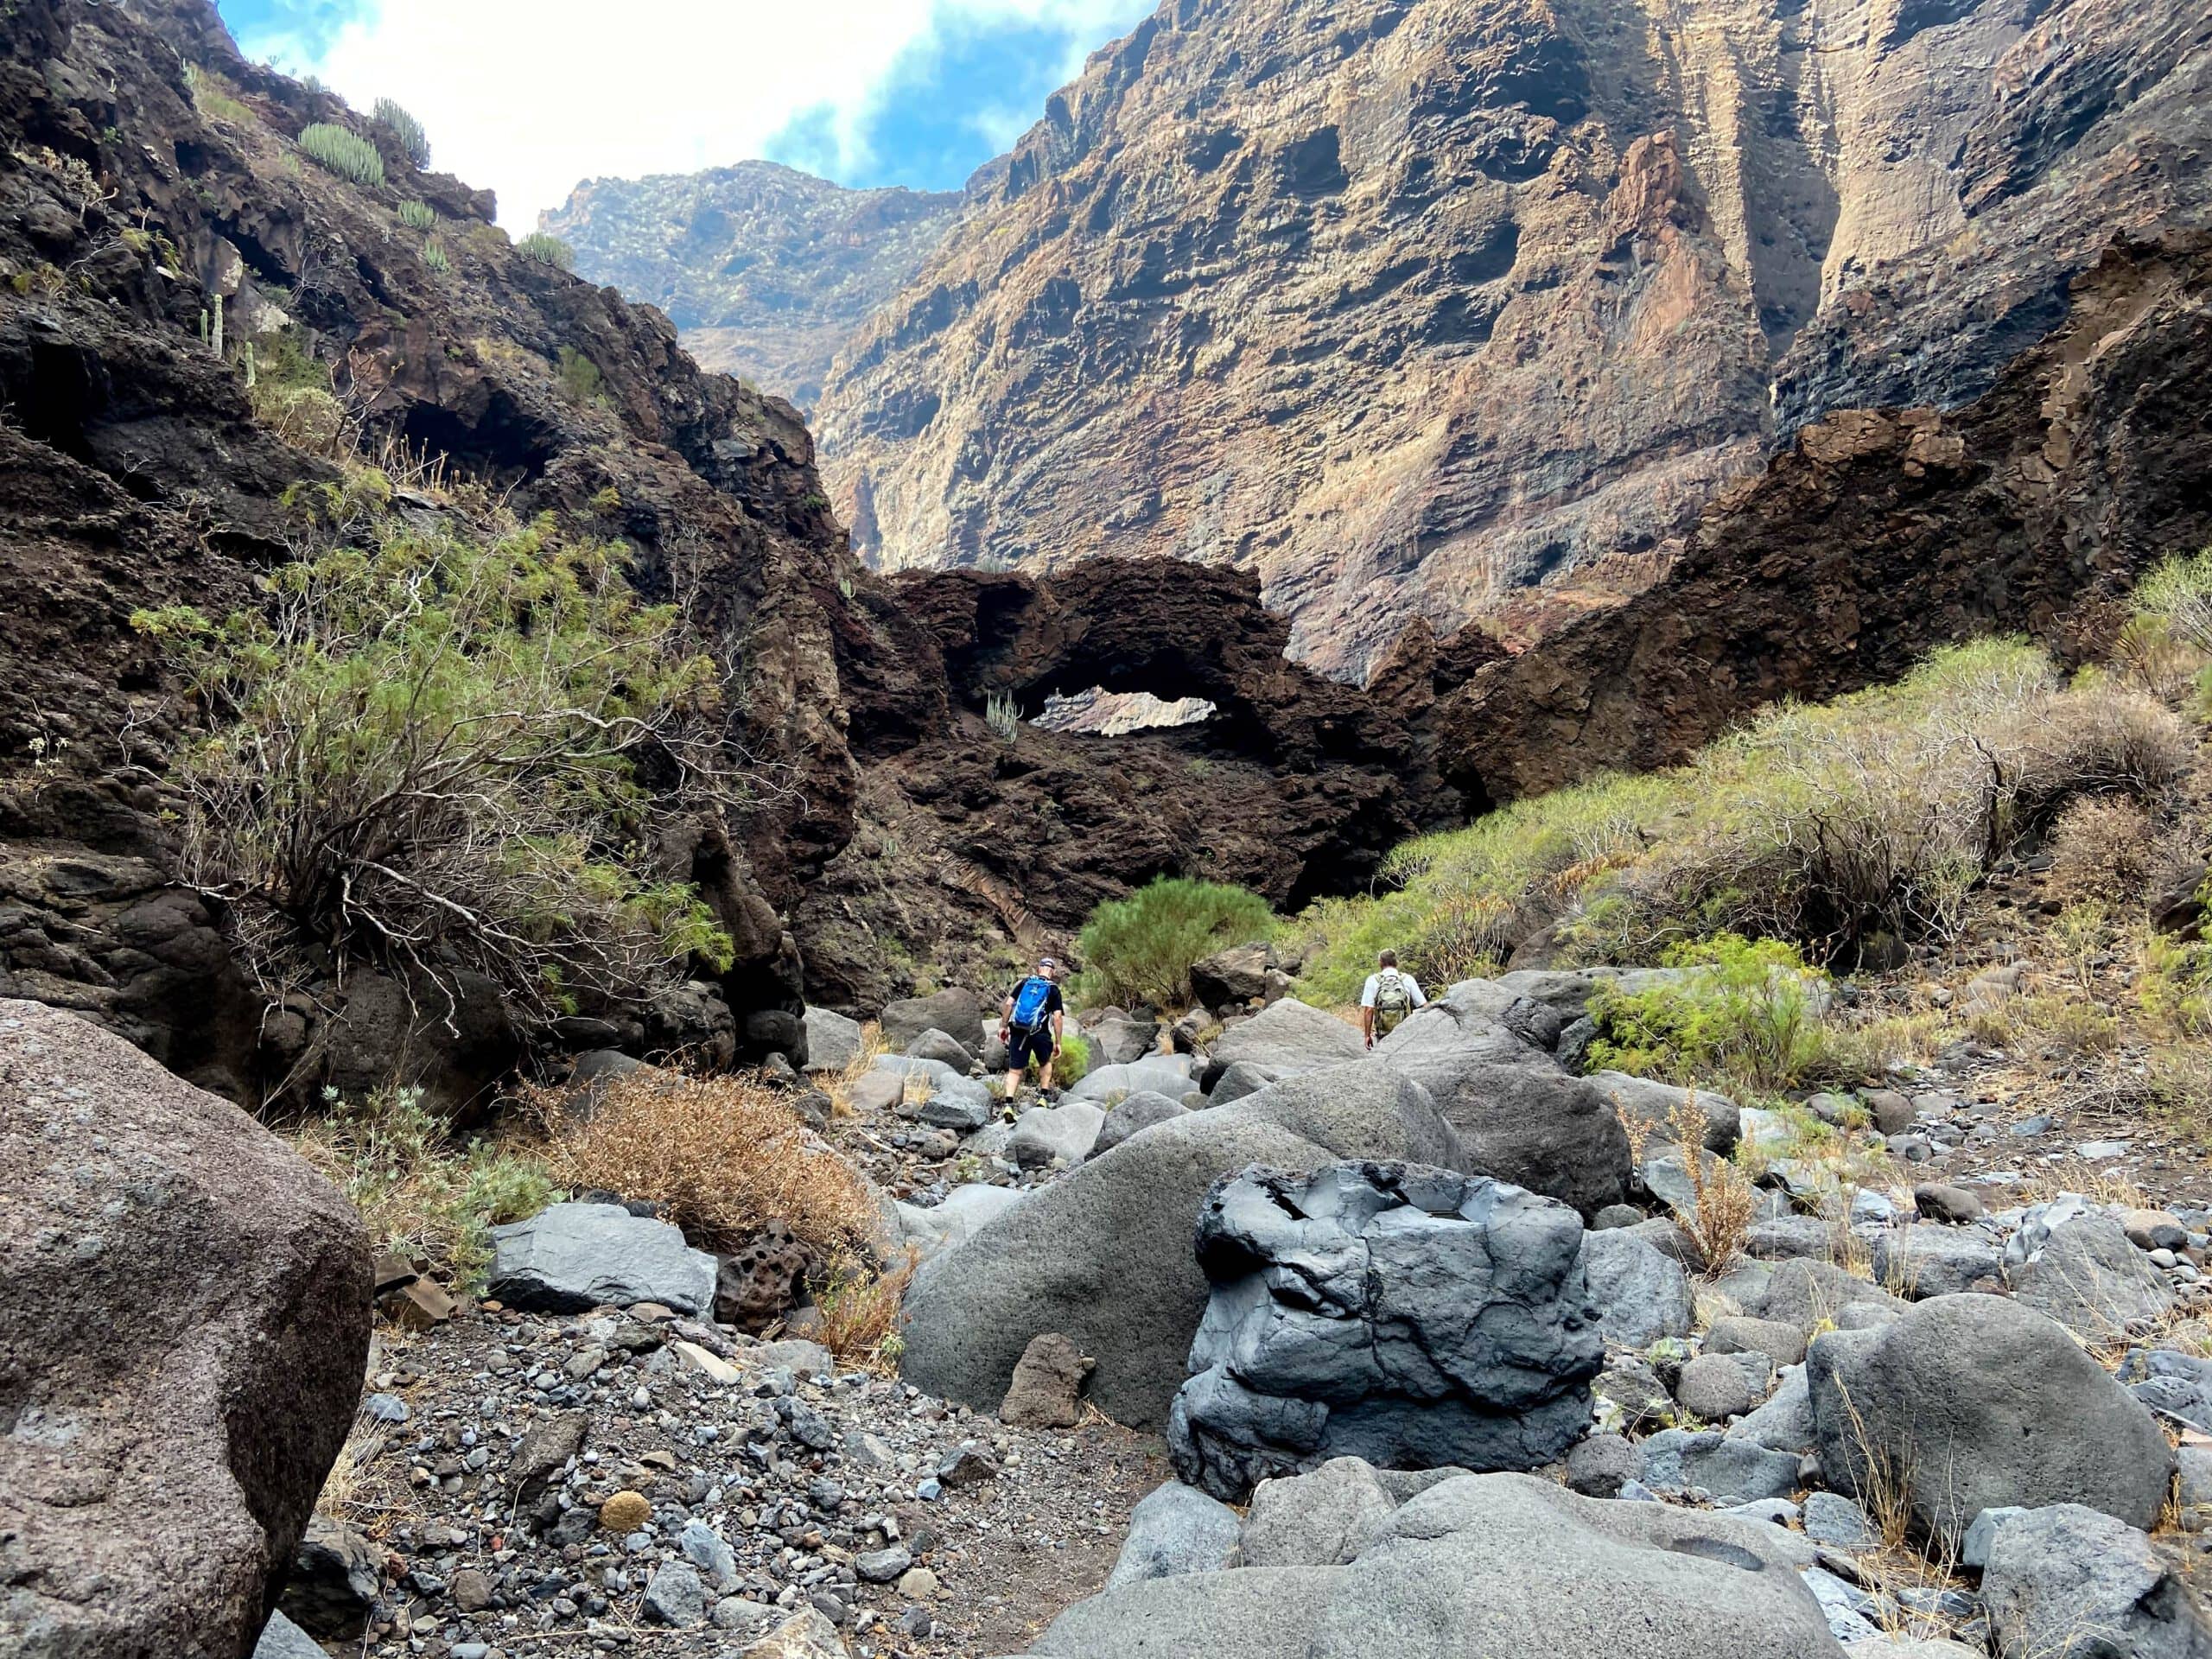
<point>765,271</point>
<point>1450,296</point>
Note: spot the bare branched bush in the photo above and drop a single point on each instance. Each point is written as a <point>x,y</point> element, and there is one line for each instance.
<point>426,754</point>
<point>723,1156</point>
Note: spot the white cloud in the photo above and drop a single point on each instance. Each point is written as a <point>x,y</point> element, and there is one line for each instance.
<point>530,96</point>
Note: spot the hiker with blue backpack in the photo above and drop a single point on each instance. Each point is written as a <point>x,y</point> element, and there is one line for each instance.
<point>1030,1024</point>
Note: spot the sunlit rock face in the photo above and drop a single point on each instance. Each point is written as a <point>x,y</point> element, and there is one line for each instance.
<point>1406,303</point>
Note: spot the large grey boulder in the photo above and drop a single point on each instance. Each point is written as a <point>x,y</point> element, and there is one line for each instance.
<point>1239,1080</point>
<point>1132,1114</point>
<point>1731,1471</point>
<point>1933,1260</point>
<point>958,1011</point>
<point>1655,1104</point>
<point>935,1093</point>
<point>1292,1039</point>
<point>1510,1566</point>
<point>1160,1074</point>
<point>2066,1582</point>
<point>1104,1255</point>
<point>964,1210</point>
<point>943,1047</point>
<point>1235,976</point>
<point>1116,1038</point>
<point>2085,1275</point>
<point>1045,1135</point>
<point>2176,1384</point>
<point>1176,1528</point>
<point>1972,1402</point>
<point>572,1256</point>
<point>1321,1519</point>
<point>1642,1294</point>
<point>282,1639</point>
<point>1785,1422</point>
<point>1398,1313</point>
<point>1813,1294</point>
<point>184,1318</point>
<point>1522,1116</point>
<point>833,1042</point>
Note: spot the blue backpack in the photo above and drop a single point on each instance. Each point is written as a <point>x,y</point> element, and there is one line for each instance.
<point>1029,1000</point>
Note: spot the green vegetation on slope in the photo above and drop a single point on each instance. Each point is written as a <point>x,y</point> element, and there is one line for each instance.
<point>1840,829</point>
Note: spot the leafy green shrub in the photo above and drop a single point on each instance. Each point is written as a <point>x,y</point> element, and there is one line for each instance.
<point>414,143</point>
<point>1746,1010</point>
<point>419,215</point>
<point>1466,898</point>
<point>424,753</point>
<point>1140,949</point>
<point>291,395</point>
<point>346,154</point>
<point>547,249</point>
<point>579,377</point>
<point>1073,1063</point>
<point>421,1193</point>
<point>435,256</point>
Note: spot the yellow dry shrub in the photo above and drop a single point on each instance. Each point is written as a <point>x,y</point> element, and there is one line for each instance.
<point>2103,848</point>
<point>721,1155</point>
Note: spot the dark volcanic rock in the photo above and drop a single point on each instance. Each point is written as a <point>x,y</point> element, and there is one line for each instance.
<point>1411,1317</point>
<point>184,1316</point>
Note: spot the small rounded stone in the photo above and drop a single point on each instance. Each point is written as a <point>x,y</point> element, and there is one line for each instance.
<point>625,1512</point>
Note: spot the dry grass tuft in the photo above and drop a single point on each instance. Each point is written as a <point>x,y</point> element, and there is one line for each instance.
<point>839,1085</point>
<point>860,1312</point>
<point>723,1155</point>
<point>1723,1203</point>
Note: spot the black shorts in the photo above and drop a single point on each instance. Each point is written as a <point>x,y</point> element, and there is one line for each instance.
<point>1023,1046</point>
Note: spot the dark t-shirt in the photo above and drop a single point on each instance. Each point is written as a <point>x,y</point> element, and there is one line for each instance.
<point>1054,1003</point>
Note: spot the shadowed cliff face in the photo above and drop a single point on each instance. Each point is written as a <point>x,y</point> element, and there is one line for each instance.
<point>1401,303</point>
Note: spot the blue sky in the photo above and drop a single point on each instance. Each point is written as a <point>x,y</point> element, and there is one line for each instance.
<point>530,96</point>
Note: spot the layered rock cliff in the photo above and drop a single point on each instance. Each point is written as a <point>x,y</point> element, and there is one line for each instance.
<point>1401,303</point>
<point>766,270</point>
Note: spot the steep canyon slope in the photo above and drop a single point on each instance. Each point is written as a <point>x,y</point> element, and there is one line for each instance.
<point>1403,303</point>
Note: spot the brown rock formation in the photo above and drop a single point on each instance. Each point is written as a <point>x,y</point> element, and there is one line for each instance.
<point>766,270</point>
<point>184,1316</point>
<point>1400,302</point>
<point>132,474</point>
<point>1880,534</point>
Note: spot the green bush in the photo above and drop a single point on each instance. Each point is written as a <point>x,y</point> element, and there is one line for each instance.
<point>421,1193</point>
<point>346,154</point>
<point>579,377</point>
<point>422,751</point>
<point>1073,1063</point>
<point>414,143</point>
<point>419,215</point>
<point>1140,949</point>
<point>547,249</point>
<point>1745,1012</point>
<point>435,256</point>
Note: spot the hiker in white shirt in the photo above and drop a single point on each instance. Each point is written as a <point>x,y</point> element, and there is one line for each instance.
<point>1387,998</point>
